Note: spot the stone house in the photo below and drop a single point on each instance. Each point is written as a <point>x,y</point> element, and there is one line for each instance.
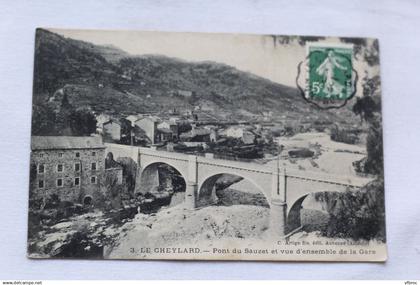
<point>70,167</point>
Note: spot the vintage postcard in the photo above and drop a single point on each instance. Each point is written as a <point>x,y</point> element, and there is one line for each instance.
<point>158,145</point>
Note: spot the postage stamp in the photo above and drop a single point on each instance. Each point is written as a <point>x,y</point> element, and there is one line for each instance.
<point>329,76</point>
<point>330,72</point>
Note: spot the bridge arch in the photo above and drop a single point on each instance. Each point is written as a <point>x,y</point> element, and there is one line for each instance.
<point>293,220</point>
<point>308,202</point>
<point>149,177</point>
<point>206,192</point>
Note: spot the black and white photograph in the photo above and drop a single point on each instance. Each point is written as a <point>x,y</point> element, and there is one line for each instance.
<point>210,146</point>
<point>230,142</point>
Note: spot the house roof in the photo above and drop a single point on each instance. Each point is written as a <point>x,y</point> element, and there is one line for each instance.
<point>65,142</point>
<point>112,122</point>
<point>195,132</point>
<point>155,118</point>
<point>201,132</point>
<point>164,130</point>
<point>134,118</point>
<point>150,118</point>
<point>138,131</point>
<point>169,122</point>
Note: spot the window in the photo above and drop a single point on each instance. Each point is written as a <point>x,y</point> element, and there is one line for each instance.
<point>41,168</point>
<point>93,153</point>
<point>77,181</point>
<point>60,154</point>
<point>93,180</point>
<point>77,167</point>
<point>77,154</point>
<point>41,184</point>
<point>93,166</point>
<point>59,182</point>
<point>59,167</point>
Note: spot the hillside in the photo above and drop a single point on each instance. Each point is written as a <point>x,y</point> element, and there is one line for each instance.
<point>109,79</point>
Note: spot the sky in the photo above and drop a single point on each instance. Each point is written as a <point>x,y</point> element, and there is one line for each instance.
<point>257,54</point>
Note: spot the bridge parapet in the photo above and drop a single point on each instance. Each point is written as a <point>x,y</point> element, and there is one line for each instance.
<point>327,178</point>
<point>233,164</point>
<point>119,150</point>
<point>163,154</point>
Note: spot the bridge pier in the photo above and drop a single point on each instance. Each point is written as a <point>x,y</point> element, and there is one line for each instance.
<point>278,212</point>
<point>278,205</point>
<point>191,187</point>
<point>190,194</point>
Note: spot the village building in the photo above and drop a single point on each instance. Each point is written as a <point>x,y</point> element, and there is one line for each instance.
<point>267,116</point>
<point>240,132</point>
<point>133,119</point>
<point>174,119</point>
<point>140,137</point>
<point>163,135</point>
<point>214,135</point>
<point>185,93</point>
<point>113,169</point>
<point>111,131</point>
<point>149,126</point>
<point>72,168</point>
<point>196,134</point>
<point>278,140</point>
<point>101,119</point>
<point>168,130</point>
<point>173,111</point>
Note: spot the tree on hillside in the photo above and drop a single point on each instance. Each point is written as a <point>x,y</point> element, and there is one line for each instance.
<point>43,120</point>
<point>369,111</point>
<point>366,106</point>
<point>82,122</point>
<point>66,120</point>
<point>126,132</point>
<point>62,122</point>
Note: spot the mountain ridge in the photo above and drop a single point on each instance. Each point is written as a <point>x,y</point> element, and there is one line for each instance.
<point>108,79</point>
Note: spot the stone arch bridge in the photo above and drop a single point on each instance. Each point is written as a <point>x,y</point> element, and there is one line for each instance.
<point>284,189</point>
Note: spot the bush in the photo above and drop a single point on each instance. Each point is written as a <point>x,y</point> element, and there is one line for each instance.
<point>301,153</point>
<point>356,214</point>
<point>344,136</point>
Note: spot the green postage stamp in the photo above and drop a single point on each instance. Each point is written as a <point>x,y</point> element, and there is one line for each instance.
<point>330,77</point>
<point>330,72</point>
